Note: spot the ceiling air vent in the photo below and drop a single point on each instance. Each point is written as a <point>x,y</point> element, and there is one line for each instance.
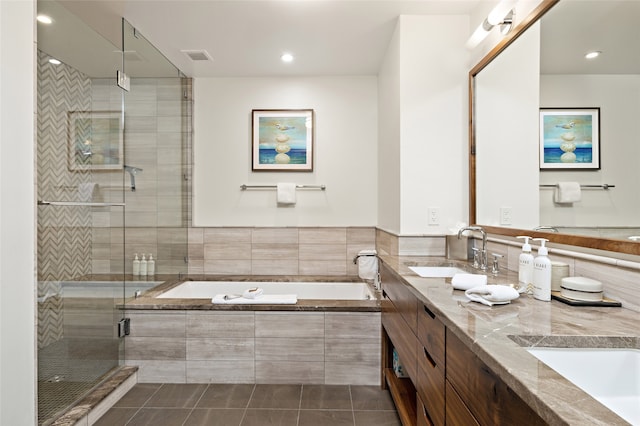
<point>197,55</point>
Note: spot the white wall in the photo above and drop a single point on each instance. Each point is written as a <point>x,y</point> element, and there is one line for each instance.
<point>345,152</point>
<point>389,137</point>
<point>618,97</point>
<point>17,213</point>
<point>507,100</point>
<point>433,109</point>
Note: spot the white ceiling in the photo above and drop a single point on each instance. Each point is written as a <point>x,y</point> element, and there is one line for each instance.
<point>246,38</point>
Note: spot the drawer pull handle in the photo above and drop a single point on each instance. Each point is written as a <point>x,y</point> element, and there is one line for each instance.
<point>426,415</point>
<point>428,311</point>
<point>431,360</point>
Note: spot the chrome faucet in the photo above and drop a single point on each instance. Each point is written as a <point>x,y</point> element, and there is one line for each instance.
<point>481,261</point>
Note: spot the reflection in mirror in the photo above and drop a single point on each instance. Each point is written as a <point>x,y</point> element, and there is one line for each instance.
<point>536,70</point>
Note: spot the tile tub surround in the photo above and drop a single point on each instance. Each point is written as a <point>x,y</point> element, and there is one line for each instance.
<point>230,346</point>
<point>499,336</point>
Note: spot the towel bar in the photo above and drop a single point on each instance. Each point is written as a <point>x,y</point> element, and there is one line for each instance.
<point>245,187</point>
<point>603,186</point>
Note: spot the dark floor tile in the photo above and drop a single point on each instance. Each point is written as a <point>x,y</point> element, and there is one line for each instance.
<point>326,418</point>
<point>276,396</point>
<point>138,395</point>
<point>371,398</point>
<point>226,396</point>
<point>159,417</point>
<point>116,417</point>
<point>267,417</point>
<point>336,397</point>
<point>177,396</point>
<point>376,418</point>
<point>215,417</point>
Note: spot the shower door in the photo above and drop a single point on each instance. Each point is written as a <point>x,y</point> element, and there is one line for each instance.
<point>80,216</point>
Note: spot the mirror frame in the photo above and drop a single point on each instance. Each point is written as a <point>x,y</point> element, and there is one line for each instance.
<point>620,246</point>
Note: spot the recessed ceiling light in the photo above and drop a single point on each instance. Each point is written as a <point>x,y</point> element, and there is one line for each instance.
<point>54,61</point>
<point>44,19</point>
<point>286,57</point>
<point>594,54</point>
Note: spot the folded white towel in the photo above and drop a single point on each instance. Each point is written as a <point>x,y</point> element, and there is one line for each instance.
<point>265,299</point>
<point>492,294</point>
<point>567,192</point>
<point>286,193</point>
<point>367,264</point>
<point>252,293</point>
<point>87,190</point>
<point>467,281</point>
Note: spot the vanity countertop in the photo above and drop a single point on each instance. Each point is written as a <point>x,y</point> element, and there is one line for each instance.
<point>499,335</point>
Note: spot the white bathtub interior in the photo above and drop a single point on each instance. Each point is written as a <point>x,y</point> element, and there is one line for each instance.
<point>303,290</point>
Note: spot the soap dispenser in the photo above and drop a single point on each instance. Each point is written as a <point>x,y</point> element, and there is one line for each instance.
<point>136,266</point>
<point>525,267</point>
<point>151,266</point>
<point>542,273</point>
<point>143,266</point>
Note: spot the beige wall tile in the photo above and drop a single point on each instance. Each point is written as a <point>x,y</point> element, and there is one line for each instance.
<point>196,267</point>
<point>289,324</point>
<point>322,252</point>
<point>155,348</point>
<point>165,324</point>
<point>348,325</point>
<point>619,283</point>
<point>343,373</point>
<point>261,251</point>
<point>320,267</point>
<point>274,372</point>
<point>290,349</point>
<point>275,236</point>
<point>322,235</point>
<point>196,235</point>
<point>227,251</point>
<point>159,371</point>
<point>365,351</point>
<point>227,235</point>
<point>196,252</point>
<point>274,267</point>
<point>220,325</point>
<point>361,236</point>
<point>421,246</point>
<point>221,371</point>
<point>227,267</point>
<point>220,348</point>
<point>386,243</point>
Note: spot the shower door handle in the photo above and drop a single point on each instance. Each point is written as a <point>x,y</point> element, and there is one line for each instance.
<point>78,203</point>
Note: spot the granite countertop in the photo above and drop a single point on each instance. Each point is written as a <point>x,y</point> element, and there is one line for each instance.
<point>499,336</point>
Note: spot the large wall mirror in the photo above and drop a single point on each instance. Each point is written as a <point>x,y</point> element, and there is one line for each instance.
<point>542,64</point>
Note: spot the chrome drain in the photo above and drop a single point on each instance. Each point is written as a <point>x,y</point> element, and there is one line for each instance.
<point>55,379</point>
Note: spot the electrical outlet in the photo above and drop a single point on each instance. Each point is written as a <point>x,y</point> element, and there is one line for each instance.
<point>506,215</point>
<point>433,214</point>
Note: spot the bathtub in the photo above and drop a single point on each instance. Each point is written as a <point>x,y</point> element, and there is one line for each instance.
<point>303,290</point>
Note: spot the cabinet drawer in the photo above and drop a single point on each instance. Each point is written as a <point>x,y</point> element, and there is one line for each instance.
<point>490,400</point>
<point>457,413</point>
<point>431,333</point>
<point>430,387</point>
<point>401,296</point>
<point>401,337</point>
<point>423,415</point>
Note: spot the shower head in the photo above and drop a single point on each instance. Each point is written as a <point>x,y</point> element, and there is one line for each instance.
<point>133,171</point>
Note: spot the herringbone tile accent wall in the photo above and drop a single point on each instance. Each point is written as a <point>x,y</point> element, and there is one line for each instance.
<point>64,233</point>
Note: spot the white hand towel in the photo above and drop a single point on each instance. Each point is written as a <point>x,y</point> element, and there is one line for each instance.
<point>492,294</point>
<point>567,192</point>
<point>467,281</point>
<point>367,264</point>
<point>286,193</point>
<point>265,299</point>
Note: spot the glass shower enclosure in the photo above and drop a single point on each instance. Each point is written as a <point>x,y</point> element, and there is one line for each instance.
<point>111,169</point>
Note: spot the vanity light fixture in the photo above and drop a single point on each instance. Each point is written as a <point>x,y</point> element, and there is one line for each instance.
<point>54,61</point>
<point>501,15</point>
<point>286,57</point>
<point>44,19</point>
<point>593,54</point>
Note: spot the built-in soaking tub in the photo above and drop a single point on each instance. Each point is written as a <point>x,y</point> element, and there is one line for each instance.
<point>303,290</point>
<point>331,335</point>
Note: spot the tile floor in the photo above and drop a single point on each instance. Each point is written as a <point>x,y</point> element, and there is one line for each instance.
<point>252,405</point>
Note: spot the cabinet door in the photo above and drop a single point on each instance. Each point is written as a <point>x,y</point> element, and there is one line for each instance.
<point>489,399</point>
<point>401,337</point>
<point>401,296</point>
<point>430,387</point>
<point>431,333</point>
<point>457,413</point>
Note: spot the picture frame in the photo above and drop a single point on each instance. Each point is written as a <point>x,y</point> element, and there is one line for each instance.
<point>282,140</point>
<point>95,140</point>
<point>570,138</point>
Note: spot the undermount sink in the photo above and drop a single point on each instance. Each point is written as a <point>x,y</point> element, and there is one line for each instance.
<point>436,271</point>
<point>611,376</point>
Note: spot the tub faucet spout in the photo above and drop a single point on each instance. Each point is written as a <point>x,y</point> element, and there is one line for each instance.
<point>482,254</point>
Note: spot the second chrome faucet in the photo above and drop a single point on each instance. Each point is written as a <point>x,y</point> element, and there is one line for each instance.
<point>479,256</point>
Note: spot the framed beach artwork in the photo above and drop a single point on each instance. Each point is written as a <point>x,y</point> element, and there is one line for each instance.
<point>282,140</point>
<point>94,140</point>
<point>570,138</point>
